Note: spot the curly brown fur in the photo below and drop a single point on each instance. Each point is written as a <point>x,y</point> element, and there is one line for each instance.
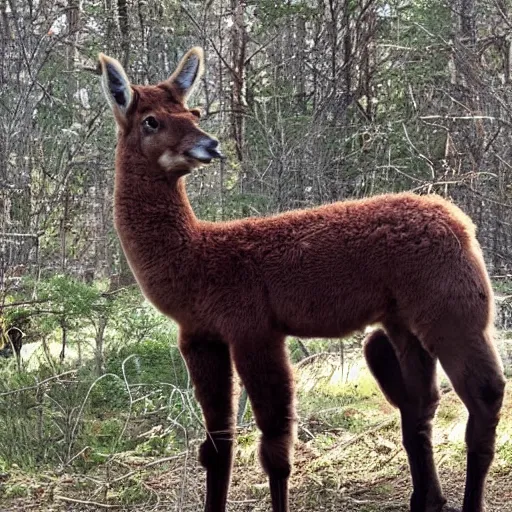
<point>237,289</point>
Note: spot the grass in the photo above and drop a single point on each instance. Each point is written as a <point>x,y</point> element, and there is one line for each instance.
<point>348,457</point>
<point>130,439</point>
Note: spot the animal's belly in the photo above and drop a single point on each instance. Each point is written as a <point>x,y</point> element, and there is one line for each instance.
<point>328,315</point>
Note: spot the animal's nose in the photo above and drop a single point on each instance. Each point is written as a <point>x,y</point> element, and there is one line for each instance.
<point>205,149</point>
<point>214,149</point>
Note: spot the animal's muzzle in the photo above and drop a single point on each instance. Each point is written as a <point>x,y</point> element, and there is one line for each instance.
<point>205,150</point>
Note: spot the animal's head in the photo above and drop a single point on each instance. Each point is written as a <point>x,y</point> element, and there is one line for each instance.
<point>156,129</point>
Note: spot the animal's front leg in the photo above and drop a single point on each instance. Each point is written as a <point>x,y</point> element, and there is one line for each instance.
<point>210,368</point>
<point>266,373</point>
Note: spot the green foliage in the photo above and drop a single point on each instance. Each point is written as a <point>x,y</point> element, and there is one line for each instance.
<point>345,407</point>
<point>79,410</point>
<point>135,320</point>
<point>144,374</point>
<point>504,451</point>
<point>134,492</point>
<point>105,435</point>
<point>70,301</point>
<point>503,286</point>
<point>61,302</point>
<point>150,362</point>
<point>38,424</point>
<point>16,491</point>
<point>110,394</point>
<point>68,295</point>
<point>449,413</point>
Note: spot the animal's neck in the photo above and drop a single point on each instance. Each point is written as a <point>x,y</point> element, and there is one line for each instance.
<point>153,215</point>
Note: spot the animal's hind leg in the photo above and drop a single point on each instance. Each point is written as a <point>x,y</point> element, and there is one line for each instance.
<point>406,373</point>
<point>474,368</point>
<point>266,373</point>
<point>211,370</point>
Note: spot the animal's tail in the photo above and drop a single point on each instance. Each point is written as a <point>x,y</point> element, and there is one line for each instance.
<point>385,367</point>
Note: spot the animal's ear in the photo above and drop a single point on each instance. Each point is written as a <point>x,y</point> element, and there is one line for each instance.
<point>116,86</point>
<point>188,72</point>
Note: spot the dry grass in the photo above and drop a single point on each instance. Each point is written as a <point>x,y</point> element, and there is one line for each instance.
<point>347,458</point>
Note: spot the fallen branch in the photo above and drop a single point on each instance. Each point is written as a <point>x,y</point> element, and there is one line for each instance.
<point>377,503</point>
<point>24,303</point>
<point>148,465</point>
<point>87,502</point>
<point>371,430</point>
<point>35,386</point>
<point>313,357</point>
<point>303,347</point>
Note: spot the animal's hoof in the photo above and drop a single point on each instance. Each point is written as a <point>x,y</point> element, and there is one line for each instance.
<point>441,507</point>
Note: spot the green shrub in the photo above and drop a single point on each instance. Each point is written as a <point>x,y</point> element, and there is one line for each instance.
<point>150,362</point>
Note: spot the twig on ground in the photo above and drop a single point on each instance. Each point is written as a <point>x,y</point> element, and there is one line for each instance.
<point>148,465</point>
<point>308,432</point>
<point>86,502</point>
<point>387,461</point>
<point>382,506</point>
<point>371,430</point>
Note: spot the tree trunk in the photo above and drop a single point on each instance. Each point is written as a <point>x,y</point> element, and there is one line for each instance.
<point>124,28</point>
<point>100,339</point>
<point>64,330</point>
<point>467,21</point>
<point>238,56</point>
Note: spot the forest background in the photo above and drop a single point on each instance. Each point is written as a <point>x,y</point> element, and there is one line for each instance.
<point>313,101</point>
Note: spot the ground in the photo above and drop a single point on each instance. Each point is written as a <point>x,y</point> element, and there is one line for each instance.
<point>348,458</point>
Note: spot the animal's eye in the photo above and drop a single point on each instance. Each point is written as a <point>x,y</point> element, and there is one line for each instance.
<point>150,124</point>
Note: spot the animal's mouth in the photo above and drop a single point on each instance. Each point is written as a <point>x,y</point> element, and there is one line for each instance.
<point>206,156</point>
<point>215,153</point>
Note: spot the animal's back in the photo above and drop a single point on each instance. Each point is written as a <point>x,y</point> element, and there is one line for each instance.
<point>333,269</point>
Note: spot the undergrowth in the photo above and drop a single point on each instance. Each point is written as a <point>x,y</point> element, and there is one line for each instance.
<point>107,430</point>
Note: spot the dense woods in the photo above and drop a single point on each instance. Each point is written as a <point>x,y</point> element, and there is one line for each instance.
<point>313,101</point>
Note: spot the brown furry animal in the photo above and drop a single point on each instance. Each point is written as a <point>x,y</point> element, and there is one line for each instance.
<point>237,289</point>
